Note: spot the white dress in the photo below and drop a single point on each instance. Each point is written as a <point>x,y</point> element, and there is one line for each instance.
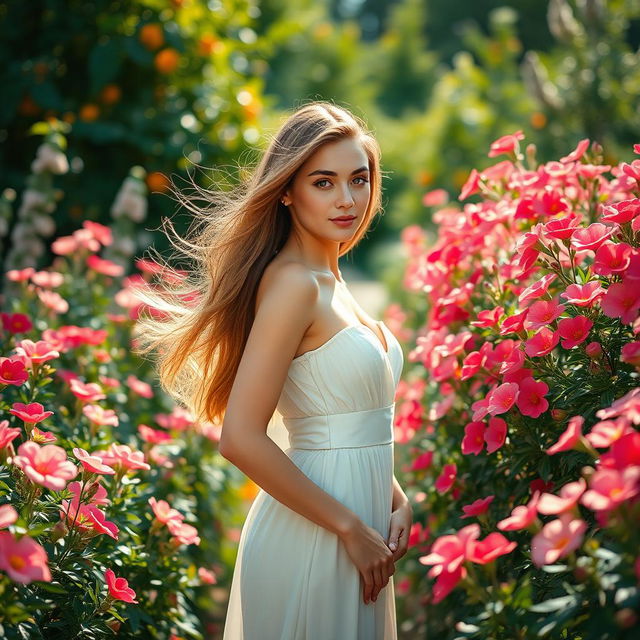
<point>293,579</point>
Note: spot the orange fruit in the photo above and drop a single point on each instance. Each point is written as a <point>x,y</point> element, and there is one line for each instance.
<point>28,107</point>
<point>157,181</point>
<point>166,61</point>
<point>151,36</point>
<point>111,94</point>
<point>207,44</point>
<point>89,112</point>
<point>538,120</point>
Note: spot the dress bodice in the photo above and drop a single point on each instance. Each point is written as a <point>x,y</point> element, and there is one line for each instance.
<point>350,372</point>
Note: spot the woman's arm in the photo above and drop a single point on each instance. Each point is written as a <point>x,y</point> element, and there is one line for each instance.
<point>284,311</point>
<point>399,496</point>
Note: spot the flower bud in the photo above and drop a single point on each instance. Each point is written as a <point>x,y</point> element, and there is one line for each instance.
<point>558,414</point>
<point>626,618</point>
<point>59,531</point>
<point>593,350</point>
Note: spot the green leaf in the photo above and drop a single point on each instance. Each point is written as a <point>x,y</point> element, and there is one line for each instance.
<point>104,63</point>
<point>554,604</point>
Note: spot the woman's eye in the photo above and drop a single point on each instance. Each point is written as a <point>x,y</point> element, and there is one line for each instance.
<point>320,183</point>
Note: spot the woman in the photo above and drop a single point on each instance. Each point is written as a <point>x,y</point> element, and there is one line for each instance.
<point>273,326</point>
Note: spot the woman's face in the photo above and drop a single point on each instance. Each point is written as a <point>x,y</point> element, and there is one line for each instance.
<point>332,184</point>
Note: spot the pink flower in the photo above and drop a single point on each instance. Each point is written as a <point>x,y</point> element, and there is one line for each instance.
<point>542,343</point>
<point>45,465</point>
<point>98,521</point>
<point>557,539</point>
<point>206,576</point>
<point>53,301</point>
<point>574,331</point>
<point>531,399</point>
<point>40,351</point>
<point>506,144</point>
<point>13,371</point>
<point>496,434</point>
<point>447,477</point>
<point>99,231</point>
<point>182,532</point>
<point>522,516</point>
<point>609,488</point>
<point>91,463</point>
<point>562,228</point>
<point>612,258</point>
<point>537,289</point>
<point>449,552</point>
<point>542,313</point>
<point>163,512</point>
<point>121,457</point>
<point>569,495</point>
<point>64,245</point>
<point>16,322</point>
<point>31,413</point>
<point>100,416</point>
<point>20,275</point>
<point>86,392</point>
<point>47,279</point>
<point>591,237</point>
<point>119,588</point>
<point>583,295</point>
<point>473,441</point>
<point>503,397</point>
<point>138,386</point>
<point>621,212</point>
<point>603,434</point>
<point>8,515</point>
<point>435,198</point>
<point>569,438</point>
<point>422,461</point>
<point>7,433</point>
<point>42,437</point>
<point>105,267</point>
<point>514,323</point>
<point>471,186</point>
<point>23,560</point>
<point>631,353</point>
<point>154,436</point>
<point>487,550</point>
<point>477,507</point>
<point>622,300</point>
<point>578,152</point>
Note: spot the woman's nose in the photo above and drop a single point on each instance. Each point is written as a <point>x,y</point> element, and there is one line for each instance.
<point>346,199</point>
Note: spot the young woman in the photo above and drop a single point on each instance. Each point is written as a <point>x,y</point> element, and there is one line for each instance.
<point>272,325</point>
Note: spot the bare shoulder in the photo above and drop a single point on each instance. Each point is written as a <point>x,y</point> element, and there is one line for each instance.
<point>285,308</point>
<point>288,282</point>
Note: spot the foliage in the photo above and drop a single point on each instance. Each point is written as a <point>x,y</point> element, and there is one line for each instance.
<point>520,412</point>
<point>105,485</point>
<point>155,83</point>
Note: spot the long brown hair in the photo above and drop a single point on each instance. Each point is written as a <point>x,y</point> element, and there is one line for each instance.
<point>199,322</point>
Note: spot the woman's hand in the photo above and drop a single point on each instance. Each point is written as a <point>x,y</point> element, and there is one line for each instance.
<point>372,557</point>
<point>399,528</point>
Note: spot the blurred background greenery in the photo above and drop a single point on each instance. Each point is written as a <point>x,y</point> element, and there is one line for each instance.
<point>173,85</point>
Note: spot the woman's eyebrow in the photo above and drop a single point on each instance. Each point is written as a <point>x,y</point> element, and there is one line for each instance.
<point>326,172</point>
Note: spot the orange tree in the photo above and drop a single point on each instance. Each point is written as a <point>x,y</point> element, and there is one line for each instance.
<point>155,83</point>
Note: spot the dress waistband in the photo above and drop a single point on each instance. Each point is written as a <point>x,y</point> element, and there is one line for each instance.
<point>342,430</point>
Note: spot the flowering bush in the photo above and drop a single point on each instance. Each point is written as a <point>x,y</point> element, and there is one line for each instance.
<point>110,496</point>
<point>521,410</point>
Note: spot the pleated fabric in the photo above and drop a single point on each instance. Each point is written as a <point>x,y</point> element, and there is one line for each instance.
<point>293,580</point>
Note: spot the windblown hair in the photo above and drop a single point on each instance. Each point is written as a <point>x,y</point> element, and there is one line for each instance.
<point>198,323</point>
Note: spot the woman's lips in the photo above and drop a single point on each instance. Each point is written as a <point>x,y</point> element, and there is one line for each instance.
<point>343,221</point>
